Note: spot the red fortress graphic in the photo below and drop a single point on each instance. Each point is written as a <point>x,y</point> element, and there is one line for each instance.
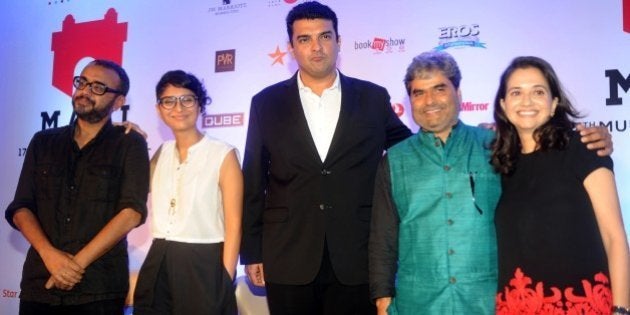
<point>100,39</point>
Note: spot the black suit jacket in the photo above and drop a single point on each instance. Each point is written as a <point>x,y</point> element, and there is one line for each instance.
<point>294,202</point>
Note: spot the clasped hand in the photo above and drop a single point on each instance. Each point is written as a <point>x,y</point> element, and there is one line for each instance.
<point>65,272</point>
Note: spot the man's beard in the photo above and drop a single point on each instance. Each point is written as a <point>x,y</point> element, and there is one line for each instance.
<point>94,114</point>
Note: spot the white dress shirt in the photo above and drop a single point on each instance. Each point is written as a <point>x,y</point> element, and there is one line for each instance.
<point>322,113</point>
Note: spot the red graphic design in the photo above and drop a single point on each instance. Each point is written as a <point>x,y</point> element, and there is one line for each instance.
<point>100,39</point>
<point>290,1</point>
<point>520,298</point>
<point>378,44</point>
<point>626,16</point>
<point>277,56</point>
<point>399,109</point>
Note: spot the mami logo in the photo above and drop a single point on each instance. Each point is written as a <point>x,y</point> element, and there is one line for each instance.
<point>616,79</point>
<point>53,122</point>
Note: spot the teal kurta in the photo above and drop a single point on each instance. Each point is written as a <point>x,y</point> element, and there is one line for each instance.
<point>445,195</point>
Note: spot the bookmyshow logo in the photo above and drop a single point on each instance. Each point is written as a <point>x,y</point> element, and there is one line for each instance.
<point>380,45</point>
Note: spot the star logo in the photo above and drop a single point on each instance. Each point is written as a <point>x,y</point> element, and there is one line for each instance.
<point>277,56</point>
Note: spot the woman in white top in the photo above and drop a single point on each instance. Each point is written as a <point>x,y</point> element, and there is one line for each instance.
<point>196,202</point>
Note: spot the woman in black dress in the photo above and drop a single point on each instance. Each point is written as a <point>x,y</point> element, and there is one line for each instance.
<point>561,239</point>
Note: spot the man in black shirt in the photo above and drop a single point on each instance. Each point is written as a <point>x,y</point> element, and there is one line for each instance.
<point>82,188</point>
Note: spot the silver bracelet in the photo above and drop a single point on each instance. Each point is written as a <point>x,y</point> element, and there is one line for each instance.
<point>620,310</point>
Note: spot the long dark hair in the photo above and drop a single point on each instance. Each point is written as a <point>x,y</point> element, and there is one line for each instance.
<point>554,134</point>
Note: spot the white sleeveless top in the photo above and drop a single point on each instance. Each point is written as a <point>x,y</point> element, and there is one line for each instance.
<point>186,198</point>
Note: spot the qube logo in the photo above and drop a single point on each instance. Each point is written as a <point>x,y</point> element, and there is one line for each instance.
<point>222,120</point>
<point>99,39</point>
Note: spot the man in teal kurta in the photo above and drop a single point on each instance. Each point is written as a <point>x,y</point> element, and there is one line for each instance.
<point>432,240</point>
<point>432,247</point>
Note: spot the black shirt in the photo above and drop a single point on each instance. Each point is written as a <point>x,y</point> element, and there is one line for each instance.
<point>74,193</point>
<point>546,224</point>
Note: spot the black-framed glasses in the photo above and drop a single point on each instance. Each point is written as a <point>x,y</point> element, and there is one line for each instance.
<point>96,87</point>
<point>169,102</point>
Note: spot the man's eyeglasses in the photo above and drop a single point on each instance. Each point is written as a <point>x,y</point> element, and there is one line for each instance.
<point>97,88</point>
<point>169,102</point>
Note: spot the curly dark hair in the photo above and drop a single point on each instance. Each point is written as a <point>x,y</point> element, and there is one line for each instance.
<point>181,79</point>
<point>554,134</point>
<point>310,10</point>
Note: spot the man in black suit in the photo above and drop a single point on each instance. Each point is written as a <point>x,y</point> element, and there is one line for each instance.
<point>313,145</point>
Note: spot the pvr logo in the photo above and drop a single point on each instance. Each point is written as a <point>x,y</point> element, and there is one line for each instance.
<point>616,79</point>
<point>100,39</point>
<point>224,60</point>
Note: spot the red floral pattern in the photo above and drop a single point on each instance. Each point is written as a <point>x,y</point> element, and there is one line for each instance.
<point>520,298</point>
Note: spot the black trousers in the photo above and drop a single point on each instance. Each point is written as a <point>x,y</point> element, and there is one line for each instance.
<point>184,279</point>
<point>105,307</point>
<point>325,295</point>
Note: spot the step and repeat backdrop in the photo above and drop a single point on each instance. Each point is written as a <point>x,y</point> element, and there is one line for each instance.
<point>240,46</point>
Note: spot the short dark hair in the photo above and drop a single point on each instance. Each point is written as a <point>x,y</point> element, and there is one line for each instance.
<point>181,79</point>
<point>554,134</point>
<point>432,61</point>
<point>310,10</point>
<point>122,74</point>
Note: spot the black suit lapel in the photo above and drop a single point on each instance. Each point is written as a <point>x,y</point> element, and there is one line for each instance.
<point>296,116</point>
<point>349,101</point>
